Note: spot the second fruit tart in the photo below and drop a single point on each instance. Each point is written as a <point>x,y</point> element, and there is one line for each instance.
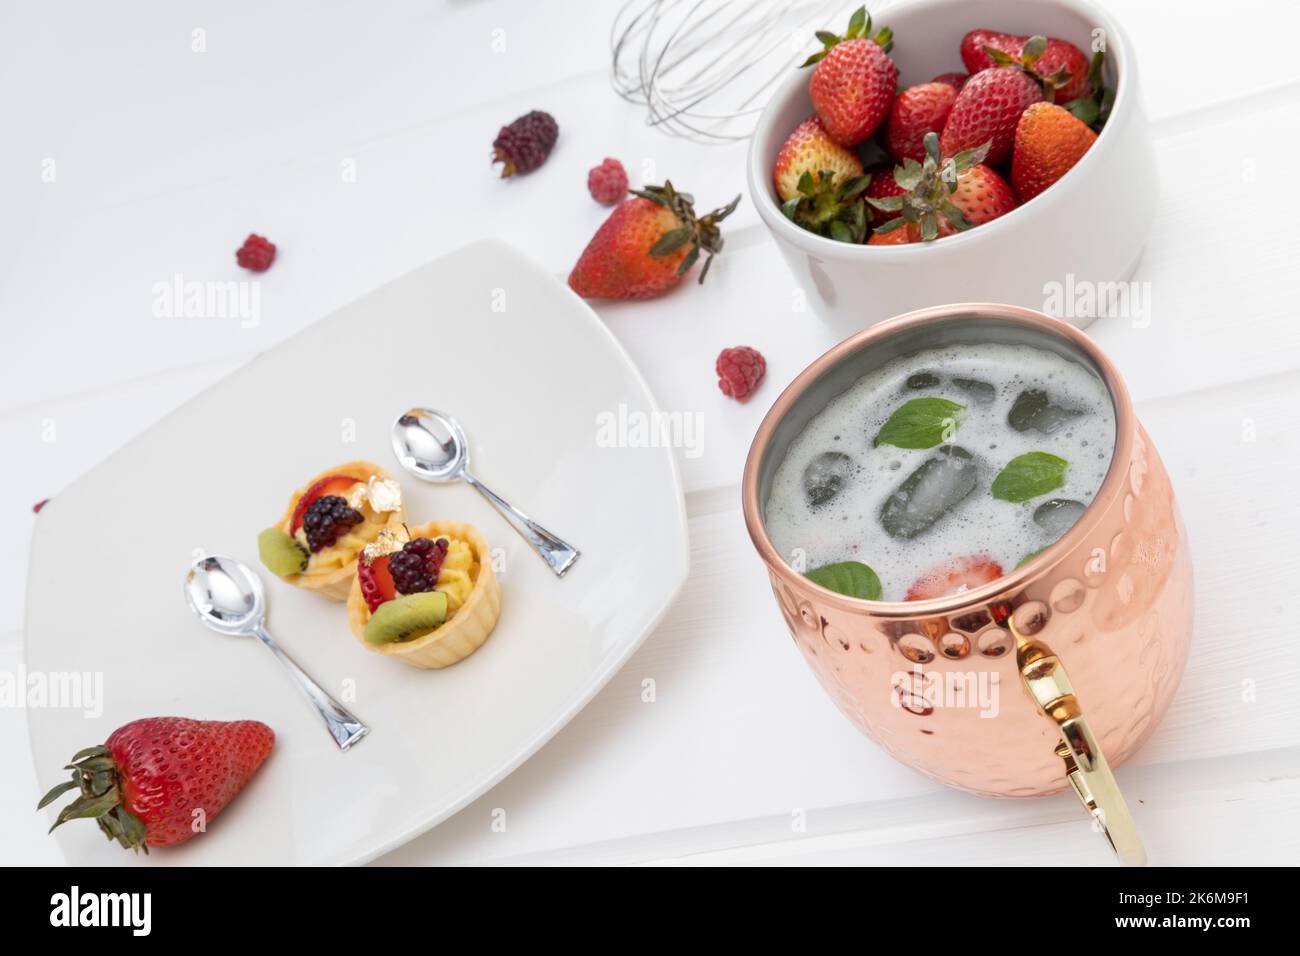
<point>427,595</point>
<point>329,520</point>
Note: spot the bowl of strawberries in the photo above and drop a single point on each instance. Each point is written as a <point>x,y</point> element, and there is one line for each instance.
<point>958,151</point>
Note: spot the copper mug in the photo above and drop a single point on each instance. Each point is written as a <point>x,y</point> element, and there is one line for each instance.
<point>1110,603</point>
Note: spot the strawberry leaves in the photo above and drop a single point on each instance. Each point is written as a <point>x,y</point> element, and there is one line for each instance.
<point>1093,108</point>
<point>700,233</point>
<point>859,28</point>
<point>928,187</point>
<point>1028,59</point>
<point>828,209</point>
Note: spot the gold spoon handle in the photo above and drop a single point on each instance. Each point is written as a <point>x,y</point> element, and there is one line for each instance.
<point>1044,677</point>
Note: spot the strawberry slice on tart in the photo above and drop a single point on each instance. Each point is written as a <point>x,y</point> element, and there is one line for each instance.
<point>327,523</point>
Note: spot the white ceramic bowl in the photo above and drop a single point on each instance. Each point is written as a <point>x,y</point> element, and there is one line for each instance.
<point>1089,227</point>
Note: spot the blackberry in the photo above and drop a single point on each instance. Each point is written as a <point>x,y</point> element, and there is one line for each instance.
<point>523,145</point>
<point>327,519</point>
<point>415,568</point>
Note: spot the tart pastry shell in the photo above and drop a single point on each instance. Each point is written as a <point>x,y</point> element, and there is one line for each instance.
<point>334,584</point>
<point>460,635</point>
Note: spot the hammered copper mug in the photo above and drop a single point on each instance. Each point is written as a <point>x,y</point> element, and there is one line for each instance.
<point>1109,603</point>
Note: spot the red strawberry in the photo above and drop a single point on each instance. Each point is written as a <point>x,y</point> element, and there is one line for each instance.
<point>376,581</point>
<point>1058,57</point>
<point>883,185</point>
<point>1049,141</point>
<point>902,235</point>
<point>955,576</point>
<point>940,198</point>
<point>329,485</point>
<point>917,110</point>
<point>987,110</point>
<point>811,150</point>
<point>854,82</point>
<point>648,243</point>
<point>955,80</point>
<point>155,780</point>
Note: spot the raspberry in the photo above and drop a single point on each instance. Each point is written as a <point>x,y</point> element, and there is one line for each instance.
<point>523,145</point>
<point>36,508</point>
<point>256,253</point>
<point>328,518</point>
<point>607,182</point>
<point>415,568</point>
<point>740,369</point>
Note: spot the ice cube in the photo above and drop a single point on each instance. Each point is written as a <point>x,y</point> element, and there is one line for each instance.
<point>1034,409</point>
<point>919,380</point>
<point>825,475</point>
<point>1058,515</point>
<point>981,392</point>
<point>937,486</point>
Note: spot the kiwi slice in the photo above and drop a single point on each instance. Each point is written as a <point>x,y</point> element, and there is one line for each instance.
<point>281,554</point>
<point>407,617</point>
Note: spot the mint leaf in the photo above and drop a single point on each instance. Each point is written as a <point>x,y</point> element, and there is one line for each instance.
<point>1028,476</point>
<point>921,423</point>
<point>848,577</point>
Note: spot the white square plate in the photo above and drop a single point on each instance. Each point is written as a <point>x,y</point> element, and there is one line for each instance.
<point>529,371</point>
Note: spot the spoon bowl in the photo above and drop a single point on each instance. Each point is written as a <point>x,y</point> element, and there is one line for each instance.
<point>226,595</point>
<point>430,445</point>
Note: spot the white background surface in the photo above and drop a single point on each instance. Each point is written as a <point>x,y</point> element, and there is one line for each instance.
<point>167,158</point>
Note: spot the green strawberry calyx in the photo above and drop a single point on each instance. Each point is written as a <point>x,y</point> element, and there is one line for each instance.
<point>1028,59</point>
<point>700,233</point>
<point>927,187</point>
<point>95,775</point>
<point>859,29</point>
<point>828,209</point>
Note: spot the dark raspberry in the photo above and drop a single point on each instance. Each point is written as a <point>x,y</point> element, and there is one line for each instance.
<point>523,145</point>
<point>740,369</point>
<point>256,253</point>
<point>607,182</point>
<point>327,519</point>
<point>415,568</point>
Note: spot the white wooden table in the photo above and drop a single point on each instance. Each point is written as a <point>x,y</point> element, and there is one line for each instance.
<point>163,158</point>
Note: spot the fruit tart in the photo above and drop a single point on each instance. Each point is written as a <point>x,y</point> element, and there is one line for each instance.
<point>427,596</point>
<point>328,521</point>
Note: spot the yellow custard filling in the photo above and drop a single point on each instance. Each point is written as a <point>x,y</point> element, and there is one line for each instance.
<point>456,578</point>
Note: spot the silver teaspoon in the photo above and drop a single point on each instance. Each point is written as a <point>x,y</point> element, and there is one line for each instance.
<point>227,596</point>
<point>432,446</point>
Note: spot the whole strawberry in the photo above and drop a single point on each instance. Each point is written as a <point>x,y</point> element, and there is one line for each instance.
<point>1058,61</point>
<point>917,110</point>
<point>854,81</point>
<point>1049,141</point>
<point>155,780</point>
<point>648,243</point>
<point>942,197</point>
<point>809,149</point>
<point>987,110</point>
<point>523,145</point>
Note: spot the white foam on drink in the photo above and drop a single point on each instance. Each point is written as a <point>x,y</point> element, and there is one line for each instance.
<point>848,527</point>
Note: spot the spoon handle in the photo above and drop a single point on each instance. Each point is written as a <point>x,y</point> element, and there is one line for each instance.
<point>555,551</point>
<point>343,725</point>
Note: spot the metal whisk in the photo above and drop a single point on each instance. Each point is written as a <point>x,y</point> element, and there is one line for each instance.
<point>705,68</point>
